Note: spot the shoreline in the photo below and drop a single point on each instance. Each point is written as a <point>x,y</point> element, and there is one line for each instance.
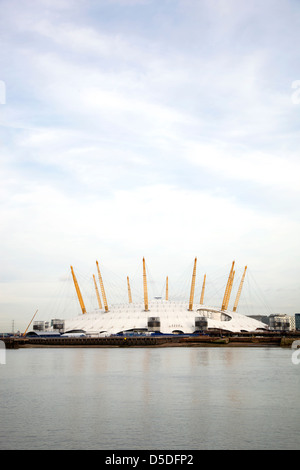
<point>150,342</point>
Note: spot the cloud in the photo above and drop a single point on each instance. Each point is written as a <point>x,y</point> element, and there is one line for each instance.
<point>47,231</point>
<point>164,129</point>
<point>138,219</point>
<point>262,168</point>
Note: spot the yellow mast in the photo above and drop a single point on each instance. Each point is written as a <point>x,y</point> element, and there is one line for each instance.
<point>239,290</point>
<point>167,288</point>
<point>30,323</point>
<point>129,291</point>
<point>193,286</point>
<point>102,288</point>
<point>145,286</point>
<point>78,292</point>
<point>228,289</point>
<point>97,292</point>
<point>203,289</point>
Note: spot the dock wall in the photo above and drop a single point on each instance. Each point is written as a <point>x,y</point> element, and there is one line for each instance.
<point>152,341</point>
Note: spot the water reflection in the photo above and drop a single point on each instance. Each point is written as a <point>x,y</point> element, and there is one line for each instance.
<point>165,398</point>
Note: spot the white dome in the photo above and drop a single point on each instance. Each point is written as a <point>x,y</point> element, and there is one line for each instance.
<point>168,317</point>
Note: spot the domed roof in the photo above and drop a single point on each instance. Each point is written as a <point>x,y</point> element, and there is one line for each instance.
<point>158,315</point>
<point>165,316</point>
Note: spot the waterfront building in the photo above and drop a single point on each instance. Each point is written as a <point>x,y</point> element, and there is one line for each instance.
<point>279,322</point>
<point>161,315</point>
<point>292,323</point>
<point>261,318</point>
<point>297,321</point>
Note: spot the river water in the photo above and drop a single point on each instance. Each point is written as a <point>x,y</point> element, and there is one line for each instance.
<point>143,398</point>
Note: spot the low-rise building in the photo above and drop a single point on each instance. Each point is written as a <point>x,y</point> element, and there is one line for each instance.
<point>279,322</point>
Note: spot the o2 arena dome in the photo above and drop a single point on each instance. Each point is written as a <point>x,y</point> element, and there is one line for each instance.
<point>160,315</point>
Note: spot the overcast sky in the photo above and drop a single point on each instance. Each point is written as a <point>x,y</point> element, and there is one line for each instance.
<point>160,128</point>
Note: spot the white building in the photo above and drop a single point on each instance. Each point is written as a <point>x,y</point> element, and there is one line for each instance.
<point>163,315</point>
<point>166,316</point>
<point>280,322</point>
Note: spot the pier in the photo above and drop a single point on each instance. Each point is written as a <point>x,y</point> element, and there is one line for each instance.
<point>239,340</point>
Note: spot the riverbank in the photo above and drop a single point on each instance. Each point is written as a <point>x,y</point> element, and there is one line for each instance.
<point>153,341</point>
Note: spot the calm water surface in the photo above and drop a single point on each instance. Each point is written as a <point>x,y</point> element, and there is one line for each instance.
<point>166,399</point>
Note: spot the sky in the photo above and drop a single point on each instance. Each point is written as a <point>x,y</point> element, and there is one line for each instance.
<point>164,129</point>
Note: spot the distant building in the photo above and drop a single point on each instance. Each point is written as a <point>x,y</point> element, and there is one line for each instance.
<point>279,322</point>
<point>261,318</point>
<point>58,325</point>
<point>297,321</point>
<point>292,323</point>
<point>55,325</point>
<point>40,326</point>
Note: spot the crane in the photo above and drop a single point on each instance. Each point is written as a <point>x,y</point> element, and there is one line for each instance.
<point>78,292</point>
<point>24,334</point>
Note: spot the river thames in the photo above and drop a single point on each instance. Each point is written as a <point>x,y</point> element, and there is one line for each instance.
<point>150,398</point>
